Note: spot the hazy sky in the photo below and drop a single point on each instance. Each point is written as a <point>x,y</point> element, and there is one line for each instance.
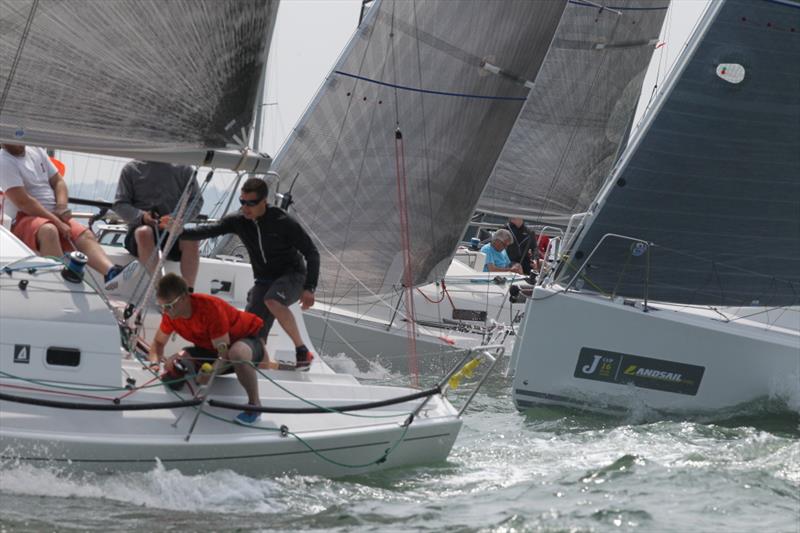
<point>309,35</point>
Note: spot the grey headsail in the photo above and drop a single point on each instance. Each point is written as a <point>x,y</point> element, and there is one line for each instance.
<point>131,74</point>
<point>570,130</point>
<point>712,179</point>
<point>413,97</point>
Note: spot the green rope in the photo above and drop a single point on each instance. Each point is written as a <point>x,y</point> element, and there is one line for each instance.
<point>381,459</point>
<point>313,404</point>
<point>584,277</point>
<point>302,441</point>
<point>297,437</point>
<point>55,384</point>
<point>313,450</point>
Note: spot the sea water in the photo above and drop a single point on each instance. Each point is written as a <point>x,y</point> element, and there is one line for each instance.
<point>548,469</point>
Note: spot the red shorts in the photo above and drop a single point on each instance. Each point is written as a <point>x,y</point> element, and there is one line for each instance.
<point>26,227</point>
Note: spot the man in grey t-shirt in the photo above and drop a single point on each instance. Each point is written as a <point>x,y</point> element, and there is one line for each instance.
<point>147,191</point>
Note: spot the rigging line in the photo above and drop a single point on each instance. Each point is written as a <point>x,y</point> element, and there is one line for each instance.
<point>431,300</point>
<point>15,63</point>
<point>342,266</point>
<point>336,149</point>
<point>402,205</point>
<point>628,257</point>
<point>782,309</point>
<point>405,238</point>
<point>574,132</point>
<point>662,53</point>
<point>347,343</point>
<point>587,3</point>
<point>184,206</point>
<point>57,392</point>
<point>426,160</point>
<point>346,410</point>
<point>430,91</point>
<point>394,67</point>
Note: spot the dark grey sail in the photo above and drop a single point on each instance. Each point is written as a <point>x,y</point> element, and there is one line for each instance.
<point>414,70</point>
<point>132,74</point>
<point>569,132</point>
<point>713,177</point>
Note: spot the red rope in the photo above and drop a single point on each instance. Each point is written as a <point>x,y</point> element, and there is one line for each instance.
<point>425,296</point>
<point>444,290</point>
<point>405,241</point>
<point>53,391</point>
<point>445,293</point>
<point>136,389</point>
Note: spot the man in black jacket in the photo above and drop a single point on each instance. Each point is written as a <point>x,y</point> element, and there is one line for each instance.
<point>277,245</point>
<point>523,249</point>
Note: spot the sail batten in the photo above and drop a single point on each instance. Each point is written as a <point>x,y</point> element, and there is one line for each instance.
<point>721,207</point>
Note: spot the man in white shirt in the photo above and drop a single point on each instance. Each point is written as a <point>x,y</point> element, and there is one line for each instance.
<point>44,223</point>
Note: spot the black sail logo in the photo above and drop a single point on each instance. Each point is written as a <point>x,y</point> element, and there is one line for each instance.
<point>644,372</point>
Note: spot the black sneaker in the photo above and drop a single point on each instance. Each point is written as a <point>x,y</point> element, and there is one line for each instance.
<point>113,272</point>
<point>304,358</point>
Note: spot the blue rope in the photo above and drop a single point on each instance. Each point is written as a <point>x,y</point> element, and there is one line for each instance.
<point>428,91</point>
<point>585,4</point>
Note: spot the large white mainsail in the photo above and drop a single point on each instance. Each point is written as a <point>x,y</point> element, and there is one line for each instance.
<point>703,208</point>
<point>157,80</point>
<point>570,130</point>
<point>416,68</point>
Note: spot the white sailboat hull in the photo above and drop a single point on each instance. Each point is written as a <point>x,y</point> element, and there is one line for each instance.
<point>475,310</point>
<point>369,342</point>
<point>60,343</point>
<point>319,444</point>
<point>613,356</point>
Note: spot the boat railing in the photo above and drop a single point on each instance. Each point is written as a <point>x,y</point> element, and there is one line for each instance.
<point>574,225</point>
<point>639,247</point>
<point>485,352</point>
<point>466,366</point>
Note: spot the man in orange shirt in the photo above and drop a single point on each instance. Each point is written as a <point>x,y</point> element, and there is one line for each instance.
<point>219,332</point>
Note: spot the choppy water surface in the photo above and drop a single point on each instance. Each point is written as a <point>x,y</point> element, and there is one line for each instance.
<point>546,470</point>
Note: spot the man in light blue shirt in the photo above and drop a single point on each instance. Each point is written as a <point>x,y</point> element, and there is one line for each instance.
<point>496,256</point>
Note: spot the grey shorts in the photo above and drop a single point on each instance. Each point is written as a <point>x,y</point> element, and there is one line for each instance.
<point>285,289</point>
<point>202,355</point>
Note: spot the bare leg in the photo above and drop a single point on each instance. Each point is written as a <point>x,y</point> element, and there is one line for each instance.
<point>241,355</point>
<point>267,363</point>
<point>98,260</point>
<point>48,240</point>
<point>190,260</point>
<point>145,244</point>
<point>286,319</point>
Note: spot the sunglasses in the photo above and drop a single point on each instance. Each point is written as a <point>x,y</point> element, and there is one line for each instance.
<point>170,305</point>
<point>250,203</point>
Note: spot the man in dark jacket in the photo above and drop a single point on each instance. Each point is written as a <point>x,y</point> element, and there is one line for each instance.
<point>522,249</point>
<point>277,245</point>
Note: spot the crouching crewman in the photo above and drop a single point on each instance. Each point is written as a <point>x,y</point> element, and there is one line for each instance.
<point>219,332</point>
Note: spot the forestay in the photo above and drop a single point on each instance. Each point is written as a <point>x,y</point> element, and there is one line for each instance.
<point>413,67</point>
<point>569,132</point>
<point>712,178</point>
<point>132,75</point>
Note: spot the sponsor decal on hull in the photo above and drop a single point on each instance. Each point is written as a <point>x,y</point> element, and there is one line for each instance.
<point>645,372</point>
<point>22,353</point>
